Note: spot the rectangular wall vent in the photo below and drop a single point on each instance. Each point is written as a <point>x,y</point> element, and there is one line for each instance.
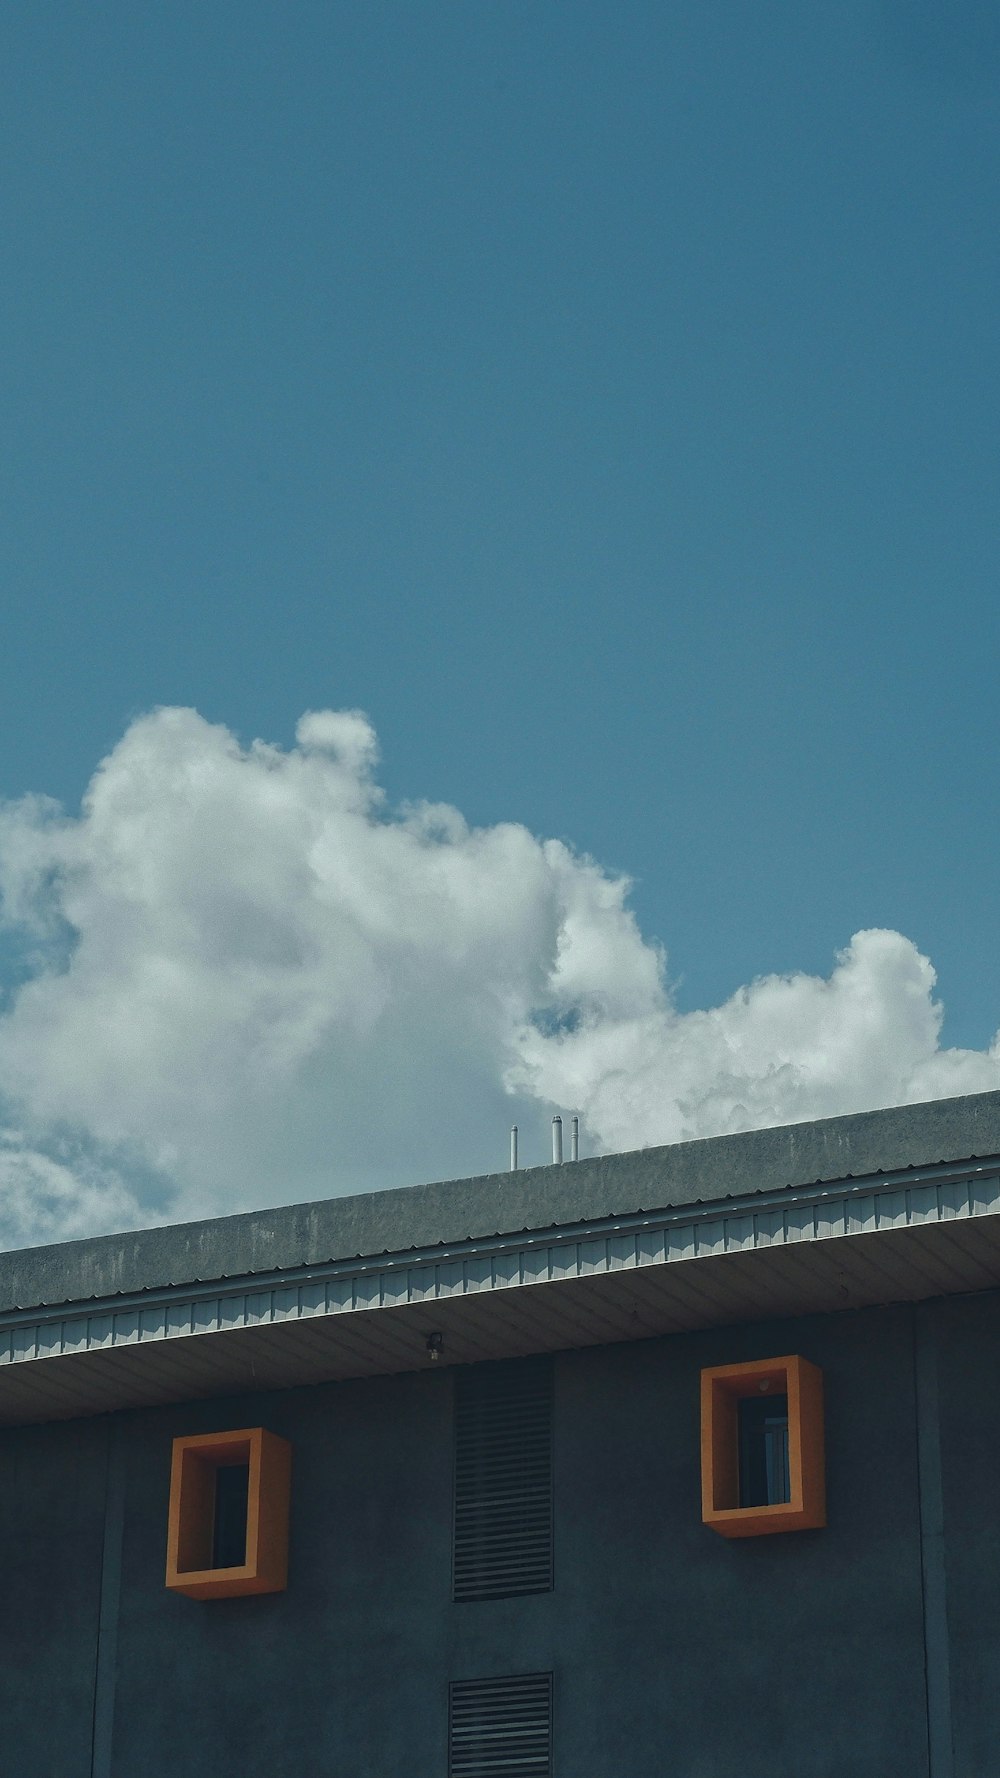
<point>503,1480</point>
<point>501,1728</point>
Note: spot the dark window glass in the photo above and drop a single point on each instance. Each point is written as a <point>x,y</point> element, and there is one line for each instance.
<point>764,1476</point>
<point>229,1535</point>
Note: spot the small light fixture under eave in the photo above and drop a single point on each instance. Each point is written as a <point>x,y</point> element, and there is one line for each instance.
<point>435,1346</point>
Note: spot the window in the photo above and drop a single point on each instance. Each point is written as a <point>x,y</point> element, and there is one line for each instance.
<point>501,1728</point>
<point>763,1455</point>
<point>232,1498</point>
<point>762,1466</point>
<point>503,1480</point>
<point>228,1520</point>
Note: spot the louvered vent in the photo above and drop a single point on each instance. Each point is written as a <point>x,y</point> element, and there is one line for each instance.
<point>501,1728</point>
<point>503,1480</point>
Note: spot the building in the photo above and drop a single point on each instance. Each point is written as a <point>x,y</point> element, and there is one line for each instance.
<point>559,1500</point>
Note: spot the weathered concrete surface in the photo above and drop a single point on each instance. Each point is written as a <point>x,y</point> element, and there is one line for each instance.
<point>497,1203</point>
<point>52,1514</point>
<point>673,1649</point>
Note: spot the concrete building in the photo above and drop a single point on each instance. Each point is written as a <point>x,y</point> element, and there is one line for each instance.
<point>683,1462</point>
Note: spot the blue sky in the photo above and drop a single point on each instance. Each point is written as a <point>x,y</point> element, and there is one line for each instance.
<point>602,398</point>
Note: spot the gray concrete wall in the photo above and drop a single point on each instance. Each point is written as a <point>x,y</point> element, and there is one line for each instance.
<point>966,1344</point>
<point>52,1509</point>
<point>674,1650</point>
<point>717,1167</point>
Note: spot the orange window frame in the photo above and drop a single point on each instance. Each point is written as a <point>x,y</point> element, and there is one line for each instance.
<point>722,1389</point>
<point>191,1516</point>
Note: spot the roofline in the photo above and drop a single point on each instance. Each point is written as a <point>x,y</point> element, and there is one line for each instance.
<point>889,1238</point>
<point>525,1241</point>
<point>583,1194</point>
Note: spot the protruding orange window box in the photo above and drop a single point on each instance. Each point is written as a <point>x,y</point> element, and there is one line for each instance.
<point>722,1390</point>
<point>197,1498</point>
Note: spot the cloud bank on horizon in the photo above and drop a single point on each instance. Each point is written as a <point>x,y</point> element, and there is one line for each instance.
<point>241,978</point>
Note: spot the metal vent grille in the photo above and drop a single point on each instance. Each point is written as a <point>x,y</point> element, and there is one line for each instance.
<point>503,1480</point>
<point>501,1728</point>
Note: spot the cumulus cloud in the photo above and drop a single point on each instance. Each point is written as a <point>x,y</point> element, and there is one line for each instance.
<point>43,1198</point>
<point>242,978</point>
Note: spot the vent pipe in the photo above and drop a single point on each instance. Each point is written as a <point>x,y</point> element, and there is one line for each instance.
<point>513,1148</point>
<point>557,1139</point>
<point>574,1140</point>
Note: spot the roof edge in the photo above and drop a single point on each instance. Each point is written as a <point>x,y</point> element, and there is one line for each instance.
<point>705,1170</point>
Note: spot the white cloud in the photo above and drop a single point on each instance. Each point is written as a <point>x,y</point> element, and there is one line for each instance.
<point>45,1199</point>
<point>249,981</point>
<point>784,1049</point>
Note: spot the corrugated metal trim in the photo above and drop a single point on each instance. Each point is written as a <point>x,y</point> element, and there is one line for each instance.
<point>958,1131</point>
<point>775,1224</point>
<point>503,1480</point>
<point>385,1258</point>
<point>501,1728</point>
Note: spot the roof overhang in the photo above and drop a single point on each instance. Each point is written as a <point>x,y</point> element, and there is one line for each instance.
<point>895,1236</point>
